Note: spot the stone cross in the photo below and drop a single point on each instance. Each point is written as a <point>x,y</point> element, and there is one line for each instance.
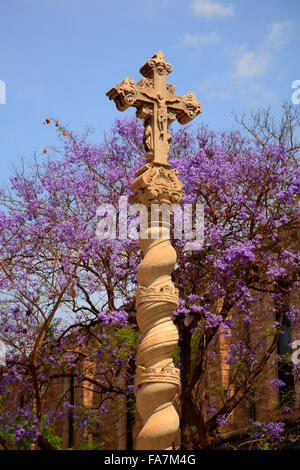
<point>157,104</point>
<point>157,380</point>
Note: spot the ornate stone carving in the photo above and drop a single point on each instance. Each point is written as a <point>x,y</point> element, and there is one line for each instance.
<point>124,94</point>
<point>168,374</point>
<point>165,289</point>
<point>145,111</point>
<point>192,108</point>
<point>171,115</point>
<point>166,292</point>
<point>157,380</point>
<point>157,185</point>
<point>161,116</point>
<point>171,89</point>
<point>146,83</point>
<point>158,63</point>
<point>148,137</point>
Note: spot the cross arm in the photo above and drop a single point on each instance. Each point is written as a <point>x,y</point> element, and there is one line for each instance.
<point>185,107</point>
<point>128,93</point>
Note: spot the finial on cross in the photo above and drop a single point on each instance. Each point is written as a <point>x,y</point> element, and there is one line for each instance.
<point>157,104</point>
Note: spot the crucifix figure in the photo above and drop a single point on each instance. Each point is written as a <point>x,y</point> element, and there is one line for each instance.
<point>157,104</point>
<point>157,380</point>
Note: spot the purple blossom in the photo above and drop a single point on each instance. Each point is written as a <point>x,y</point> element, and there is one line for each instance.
<point>277,383</point>
<point>222,419</point>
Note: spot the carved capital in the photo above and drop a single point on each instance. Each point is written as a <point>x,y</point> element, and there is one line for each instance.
<point>157,185</point>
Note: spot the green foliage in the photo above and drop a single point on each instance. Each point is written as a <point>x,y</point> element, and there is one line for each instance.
<point>48,433</point>
<point>93,445</point>
<point>51,333</point>
<point>176,355</point>
<point>122,343</point>
<point>126,339</point>
<point>197,335</point>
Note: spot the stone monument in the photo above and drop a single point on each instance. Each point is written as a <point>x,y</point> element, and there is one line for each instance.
<point>157,380</point>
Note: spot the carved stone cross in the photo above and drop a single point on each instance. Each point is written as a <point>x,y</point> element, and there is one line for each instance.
<point>157,380</point>
<point>157,104</point>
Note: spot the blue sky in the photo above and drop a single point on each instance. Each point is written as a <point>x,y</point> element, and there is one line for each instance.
<point>59,58</point>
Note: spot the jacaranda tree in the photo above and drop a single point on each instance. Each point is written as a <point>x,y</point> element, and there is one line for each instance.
<point>61,284</point>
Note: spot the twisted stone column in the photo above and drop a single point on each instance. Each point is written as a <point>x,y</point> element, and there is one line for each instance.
<point>157,379</point>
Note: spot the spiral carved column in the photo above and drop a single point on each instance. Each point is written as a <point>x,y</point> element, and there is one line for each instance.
<point>157,379</point>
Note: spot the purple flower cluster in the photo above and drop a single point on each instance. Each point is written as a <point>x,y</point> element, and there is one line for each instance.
<point>272,431</point>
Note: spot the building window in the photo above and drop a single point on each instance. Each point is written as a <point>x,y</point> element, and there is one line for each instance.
<point>287,392</point>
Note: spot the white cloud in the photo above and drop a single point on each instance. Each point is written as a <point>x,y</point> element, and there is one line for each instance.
<point>250,65</point>
<point>194,40</point>
<point>209,8</point>
<point>278,35</point>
